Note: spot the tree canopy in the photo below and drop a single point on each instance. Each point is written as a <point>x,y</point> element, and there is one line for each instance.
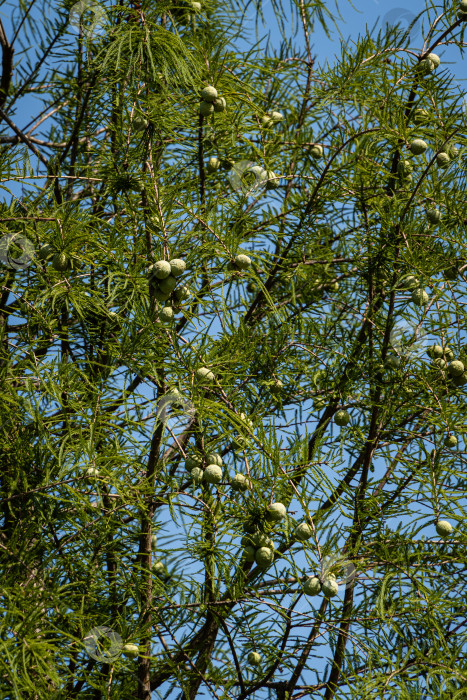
<point>233,366</point>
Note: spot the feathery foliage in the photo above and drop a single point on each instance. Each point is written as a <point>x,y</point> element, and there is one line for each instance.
<point>117,173</point>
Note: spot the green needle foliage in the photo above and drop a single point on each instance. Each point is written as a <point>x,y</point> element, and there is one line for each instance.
<point>119,526</point>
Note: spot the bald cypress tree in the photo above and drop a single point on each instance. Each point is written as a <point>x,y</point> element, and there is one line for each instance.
<point>232,361</point>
